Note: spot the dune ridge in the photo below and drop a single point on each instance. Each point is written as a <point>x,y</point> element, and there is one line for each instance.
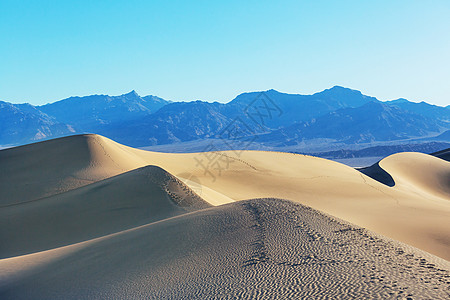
<point>407,212</point>
<point>189,256</point>
<point>47,168</point>
<point>434,177</point>
<point>84,216</point>
<point>124,201</point>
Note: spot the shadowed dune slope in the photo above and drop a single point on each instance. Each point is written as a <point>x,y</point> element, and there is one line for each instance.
<point>443,154</point>
<point>412,211</point>
<point>377,173</point>
<point>127,200</point>
<point>233,251</point>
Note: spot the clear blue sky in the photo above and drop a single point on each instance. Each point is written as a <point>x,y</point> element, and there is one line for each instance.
<point>214,50</point>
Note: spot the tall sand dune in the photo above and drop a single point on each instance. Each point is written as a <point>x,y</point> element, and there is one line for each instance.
<point>46,168</point>
<point>412,214</point>
<point>258,249</point>
<point>419,172</point>
<point>125,201</point>
<point>416,210</point>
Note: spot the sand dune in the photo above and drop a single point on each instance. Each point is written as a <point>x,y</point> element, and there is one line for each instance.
<point>406,212</point>
<point>125,201</point>
<point>271,249</point>
<point>46,168</point>
<point>84,216</point>
<point>419,172</point>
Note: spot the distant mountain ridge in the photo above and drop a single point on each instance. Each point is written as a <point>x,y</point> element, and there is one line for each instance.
<point>297,108</point>
<point>373,121</point>
<point>91,112</point>
<point>24,123</point>
<point>335,115</point>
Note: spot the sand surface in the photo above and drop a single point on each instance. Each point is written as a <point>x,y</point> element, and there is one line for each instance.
<point>264,248</point>
<point>86,216</point>
<point>125,201</point>
<point>416,210</point>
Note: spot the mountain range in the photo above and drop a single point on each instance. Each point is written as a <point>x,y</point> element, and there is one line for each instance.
<point>335,116</point>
